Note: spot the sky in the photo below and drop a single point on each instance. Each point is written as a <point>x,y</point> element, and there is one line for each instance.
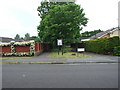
<point>21,16</point>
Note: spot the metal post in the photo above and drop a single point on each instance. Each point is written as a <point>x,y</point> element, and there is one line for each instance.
<point>62,50</point>
<point>77,50</point>
<point>58,50</point>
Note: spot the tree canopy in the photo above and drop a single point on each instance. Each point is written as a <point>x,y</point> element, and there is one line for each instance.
<point>60,20</point>
<point>17,37</point>
<point>27,36</point>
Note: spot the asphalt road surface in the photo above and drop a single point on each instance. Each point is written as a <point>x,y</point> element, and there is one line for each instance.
<point>60,76</point>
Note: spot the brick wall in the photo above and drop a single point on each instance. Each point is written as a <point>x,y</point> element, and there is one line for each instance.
<point>22,49</point>
<point>39,47</point>
<point>5,49</point>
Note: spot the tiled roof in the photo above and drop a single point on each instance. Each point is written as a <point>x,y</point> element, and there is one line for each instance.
<point>103,33</point>
<point>6,39</point>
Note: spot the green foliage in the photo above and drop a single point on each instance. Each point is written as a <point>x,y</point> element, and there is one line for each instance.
<point>5,44</point>
<point>117,50</point>
<point>27,36</point>
<point>60,20</point>
<point>37,39</point>
<point>21,38</point>
<point>90,33</point>
<point>6,54</point>
<point>33,37</point>
<point>103,45</point>
<point>17,54</point>
<point>17,37</point>
<point>12,49</point>
<point>44,7</point>
<point>67,55</point>
<point>65,50</point>
<point>23,54</point>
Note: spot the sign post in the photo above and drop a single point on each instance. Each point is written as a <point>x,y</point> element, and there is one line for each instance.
<point>80,50</point>
<point>60,44</point>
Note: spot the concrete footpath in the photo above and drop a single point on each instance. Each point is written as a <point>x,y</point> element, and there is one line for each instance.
<point>43,59</point>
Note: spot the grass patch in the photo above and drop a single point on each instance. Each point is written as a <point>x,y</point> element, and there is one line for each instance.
<point>15,57</point>
<point>68,55</point>
<point>64,50</point>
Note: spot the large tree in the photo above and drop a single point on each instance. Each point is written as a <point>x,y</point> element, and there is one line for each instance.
<point>61,20</point>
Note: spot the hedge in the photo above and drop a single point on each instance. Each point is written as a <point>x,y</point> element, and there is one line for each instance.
<point>117,51</point>
<point>102,45</point>
<point>17,54</point>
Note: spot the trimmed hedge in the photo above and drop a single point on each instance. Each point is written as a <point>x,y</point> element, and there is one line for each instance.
<point>17,54</point>
<point>117,51</point>
<point>103,45</point>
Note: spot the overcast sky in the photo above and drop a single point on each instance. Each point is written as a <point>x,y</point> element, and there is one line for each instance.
<point>21,16</point>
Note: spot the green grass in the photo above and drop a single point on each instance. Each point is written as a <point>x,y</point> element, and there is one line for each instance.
<point>68,55</point>
<point>15,57</point>
<point>64,50</point>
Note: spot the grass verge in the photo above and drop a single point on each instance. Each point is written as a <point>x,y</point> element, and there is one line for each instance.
<point>68,55</point>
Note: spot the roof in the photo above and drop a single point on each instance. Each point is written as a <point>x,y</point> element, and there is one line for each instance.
<point>103,33</point>
<point>6,39</point>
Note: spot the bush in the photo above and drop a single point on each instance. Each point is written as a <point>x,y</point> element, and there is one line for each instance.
<point>17,54</point>
<point>116,51</point>
<point>102,45</point>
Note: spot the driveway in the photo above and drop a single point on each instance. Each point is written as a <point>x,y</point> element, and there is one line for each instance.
<point>43,58</point>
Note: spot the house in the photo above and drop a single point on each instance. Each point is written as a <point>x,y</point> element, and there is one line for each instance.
<point>6,39</point>
<point>108,33</point>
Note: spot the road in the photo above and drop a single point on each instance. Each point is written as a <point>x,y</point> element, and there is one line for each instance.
<point>60,75</point>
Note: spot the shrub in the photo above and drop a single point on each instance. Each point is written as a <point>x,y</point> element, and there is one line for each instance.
<point>102,45</point>
<point>116,51</point>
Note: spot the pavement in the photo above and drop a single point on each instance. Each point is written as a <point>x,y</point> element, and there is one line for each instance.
<point>43,59</point>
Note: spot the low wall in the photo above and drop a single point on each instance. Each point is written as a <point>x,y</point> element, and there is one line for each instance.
<point>19,49</point>
<point>39,48</point>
